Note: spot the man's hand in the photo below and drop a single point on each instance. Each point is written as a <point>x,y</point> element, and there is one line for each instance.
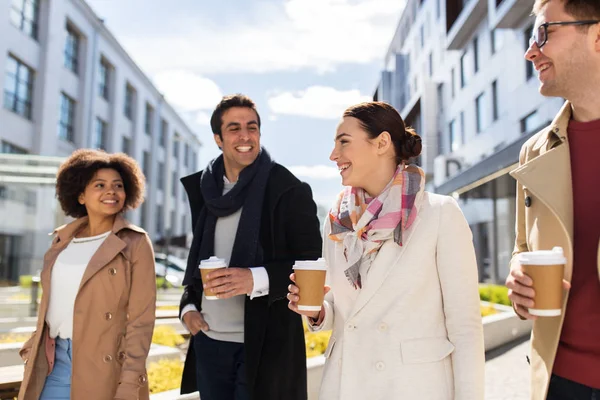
<point>521,293</point>
<point>229,282</point>
<point>195,322</point>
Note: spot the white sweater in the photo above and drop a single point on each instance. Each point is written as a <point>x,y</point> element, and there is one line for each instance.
<point>67,273</point>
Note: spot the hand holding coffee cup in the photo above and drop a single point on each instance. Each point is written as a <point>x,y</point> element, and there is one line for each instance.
<point>207,266</point>
<point>307,293</point>
<point>536,285</point>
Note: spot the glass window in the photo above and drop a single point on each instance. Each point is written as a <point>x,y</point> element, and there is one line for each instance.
<point>99,141</point>
<point>175,184</point>
<point>164,127</point>
<point>72,50</point>
<point>18,87</point>
<point>24,14</point>
<point>476,55</point>
<point>176,146</point>
<point>463,73</point>
<point>148,119</point>
<point>129,99</point>
<point>66,118</point>
<point>186,155</point>
<point>104,78</point>
<point>126,145</point>
<point>9,148</point>
<point>497,37</point>
<point>161,173</point>
<point>480,113</point>
<point>495,100</point>
<point>454,137</point>
<point>532,122</point>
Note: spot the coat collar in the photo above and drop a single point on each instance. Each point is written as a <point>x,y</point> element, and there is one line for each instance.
<point>556,132</point>
<point>68,231</point>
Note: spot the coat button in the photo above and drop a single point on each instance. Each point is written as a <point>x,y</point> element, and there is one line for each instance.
<point>350,327</point>
<point>108,316</point>
<point>142,379</point>
<point>121,356</point>
<point>527,201</point>
<point>112,271</point>
<point>380,366</point>
<point>382,327</point>
<point>107,358</point>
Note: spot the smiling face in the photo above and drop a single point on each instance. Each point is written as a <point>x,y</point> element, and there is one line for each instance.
<point>566,57</point>
<point>239,140</point>
<point>357,156</point>
<point>104,195</point>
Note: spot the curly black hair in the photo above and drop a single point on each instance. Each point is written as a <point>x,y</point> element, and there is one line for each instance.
<point>79,169</point>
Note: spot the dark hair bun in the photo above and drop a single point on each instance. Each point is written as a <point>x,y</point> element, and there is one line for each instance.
<point>412,145</point>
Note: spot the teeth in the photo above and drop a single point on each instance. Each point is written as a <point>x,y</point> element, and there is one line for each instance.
<point>244,149</point>
<point>545,67</point>
<point>343,167</point>
<point>110,201</point>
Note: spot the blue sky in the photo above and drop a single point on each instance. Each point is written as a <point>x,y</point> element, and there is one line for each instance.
<point>302,61</point>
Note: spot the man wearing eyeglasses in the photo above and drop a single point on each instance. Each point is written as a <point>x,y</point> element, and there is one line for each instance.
<point>558,200</point>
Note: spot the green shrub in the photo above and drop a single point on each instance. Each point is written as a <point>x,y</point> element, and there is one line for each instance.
<point>494,294</point>
<point>25,281</point>
<point>160,281</point>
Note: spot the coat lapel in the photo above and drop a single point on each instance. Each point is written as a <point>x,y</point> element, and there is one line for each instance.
<point>387,259</point>
<point>108,250</point>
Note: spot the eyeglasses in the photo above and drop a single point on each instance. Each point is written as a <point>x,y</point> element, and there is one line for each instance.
<point>540,35</point>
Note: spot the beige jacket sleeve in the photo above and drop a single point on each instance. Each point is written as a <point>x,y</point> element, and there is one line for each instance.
<point>142,314</point>
<point>457,270</point>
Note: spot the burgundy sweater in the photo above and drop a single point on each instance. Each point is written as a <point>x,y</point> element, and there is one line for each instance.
<point>578,356</point>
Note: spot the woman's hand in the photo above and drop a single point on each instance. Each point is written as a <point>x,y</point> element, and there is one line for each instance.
<point>293,298</point>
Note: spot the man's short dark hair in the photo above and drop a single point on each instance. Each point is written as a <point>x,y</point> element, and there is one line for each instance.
<point>234,100</point>
<point>580,9</point>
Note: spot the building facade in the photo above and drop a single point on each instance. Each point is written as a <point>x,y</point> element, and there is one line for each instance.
<point>455,70</point>
<point>69,84</point>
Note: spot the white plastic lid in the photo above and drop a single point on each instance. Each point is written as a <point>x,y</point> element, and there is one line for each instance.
<point>543,257</point>
<point>212,263</point>
<point>313,265</point>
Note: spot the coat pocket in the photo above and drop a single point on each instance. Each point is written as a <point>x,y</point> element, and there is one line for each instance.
<point>425,350</point>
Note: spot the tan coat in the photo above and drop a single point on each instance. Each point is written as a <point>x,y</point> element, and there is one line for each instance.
<point>114,316</point>
<point>544,175</point>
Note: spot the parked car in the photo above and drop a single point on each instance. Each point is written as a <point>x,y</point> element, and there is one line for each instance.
<point>172,269</point>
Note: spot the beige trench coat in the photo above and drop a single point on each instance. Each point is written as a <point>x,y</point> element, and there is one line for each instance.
<point>114,314</point>
<point>544,175</point>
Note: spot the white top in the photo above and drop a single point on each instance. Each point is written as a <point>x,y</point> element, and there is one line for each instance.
<point>66,277</point>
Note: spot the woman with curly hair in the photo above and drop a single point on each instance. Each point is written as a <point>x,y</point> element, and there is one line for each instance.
<point>97,311</point>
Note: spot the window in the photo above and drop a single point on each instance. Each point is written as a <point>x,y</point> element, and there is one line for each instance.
<point>422,35</point>
<point>440,98</point>
<point>438,9</point>
<point>175,184</point>
<point>476,54</point>
<point>176,146</point>
<point>528,64</point>
<point>148,119</point>
<point>172,223</point>
<point>454,139</point>
<point>99,140</point>
<point>183,223</point>
<point>25,14</point>
<point>143,214</point>
<point>186,154</point>
<point>463,75</point>
<point>159,219</point>
<point>9,148</point>
<point>161,177</point>
<point>66,118</point>
<point>480,113</point>
<point>126,145</point>
<point>194,160</point>
<point>146,164</point>
<point>129,99</point>
<point>18,87</point>
<point>462,127</point>
<point>497,37</point>
<point>71,60</point>
<point>495,100</point>
<point>104,78</point>
<point>430,64</point>
<point>453,83</point>
<point>164,127</point>
<point>531,123</point>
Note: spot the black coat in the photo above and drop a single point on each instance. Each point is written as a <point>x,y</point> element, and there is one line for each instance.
<point>273,335</point>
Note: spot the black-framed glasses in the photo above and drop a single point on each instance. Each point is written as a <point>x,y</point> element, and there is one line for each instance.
<point>540,35</point>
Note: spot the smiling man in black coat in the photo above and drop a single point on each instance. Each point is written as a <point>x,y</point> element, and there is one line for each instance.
<point>260,218</point>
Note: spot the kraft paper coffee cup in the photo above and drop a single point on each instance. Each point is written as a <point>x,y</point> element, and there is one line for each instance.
<point>310,279</point>
<point>209,265</point>
<point>546,270</point>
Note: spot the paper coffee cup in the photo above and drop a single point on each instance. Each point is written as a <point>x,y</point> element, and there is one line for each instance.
<point>310,279</point>
<point>546,270</point>
<point>207,266</point>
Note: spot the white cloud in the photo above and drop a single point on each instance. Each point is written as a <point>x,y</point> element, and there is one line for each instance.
<point>314,34</point>
<point>316,102</point>
<point>188,91</point>
<point>315,171</point>
<point>203,118</point>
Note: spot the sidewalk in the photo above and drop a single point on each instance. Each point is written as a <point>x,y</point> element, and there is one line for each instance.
<point>507,372</point>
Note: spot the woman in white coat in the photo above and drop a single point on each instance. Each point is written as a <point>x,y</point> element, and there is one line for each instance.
<point>404,303</point>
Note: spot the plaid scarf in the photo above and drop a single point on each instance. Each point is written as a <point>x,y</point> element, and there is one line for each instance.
<point>363,225</point>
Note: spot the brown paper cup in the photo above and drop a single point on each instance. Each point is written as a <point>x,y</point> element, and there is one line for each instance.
<point>546,270</point>
<point>207,266</point>
<point>310,279</point>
